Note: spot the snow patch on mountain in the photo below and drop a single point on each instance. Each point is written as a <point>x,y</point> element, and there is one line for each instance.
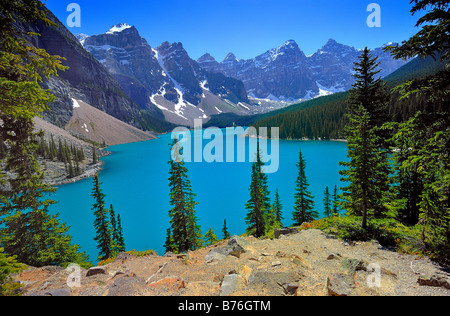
<point>118,28</point>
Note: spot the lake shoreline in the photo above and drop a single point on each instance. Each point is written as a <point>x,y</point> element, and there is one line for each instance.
<point>91,170</point>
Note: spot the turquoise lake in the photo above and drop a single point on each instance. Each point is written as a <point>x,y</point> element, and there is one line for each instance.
<point>135,181</point>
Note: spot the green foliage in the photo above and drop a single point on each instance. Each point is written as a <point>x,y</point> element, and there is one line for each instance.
<point>259,215</point>
<point>210,237</point>
<point>226,234</point>
<point>304,202</point>
<point>388,232</point>
<point>102,224</point>
<point>324,117</point>
<point>327,210</point>
<point>8,266</point>
<point>423,141</point>
<point>28,231</point>
<point>117,238</point>
<point>185,231</point>
<point>278,208</point>
<point>336,201</point>
<point>367,171</point>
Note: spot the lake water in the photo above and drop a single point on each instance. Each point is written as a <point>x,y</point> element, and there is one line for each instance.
<point>135,181</point>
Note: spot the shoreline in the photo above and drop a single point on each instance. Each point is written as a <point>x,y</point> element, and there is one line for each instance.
<point>300,139</point>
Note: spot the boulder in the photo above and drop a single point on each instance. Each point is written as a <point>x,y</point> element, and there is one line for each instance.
<point>434,281</point>
<point>231,283</point>
<point>126,286</point>
<point>341,285</point>
<point>285,231</point>
<point>235,247</point>
<point>95,271</point>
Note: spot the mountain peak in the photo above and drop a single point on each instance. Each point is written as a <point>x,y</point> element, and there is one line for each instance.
<point>290,43</point>
<point>206,58</point>
<point>231,58</point>
<point>118,28</point>
<point>331,41</point>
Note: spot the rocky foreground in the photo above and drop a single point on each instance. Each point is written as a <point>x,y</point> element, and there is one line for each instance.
<point>303,264</point>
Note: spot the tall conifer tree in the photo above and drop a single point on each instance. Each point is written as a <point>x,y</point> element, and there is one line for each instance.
<point>102,224</point>
<point>368,171</point>
<point>28,230</point>
<point>304,201</point>
<point>259,216</point>
<point>327,211</point>
<point>424,140</point>
<point>186,233</point>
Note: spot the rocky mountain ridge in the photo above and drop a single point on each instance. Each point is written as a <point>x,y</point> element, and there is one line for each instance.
<point>309,263</point>
<point>86,79</point>
<point>165,78</point>
<point>285,73</point>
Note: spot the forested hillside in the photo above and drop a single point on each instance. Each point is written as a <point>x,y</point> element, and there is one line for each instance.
<point>324,118</point>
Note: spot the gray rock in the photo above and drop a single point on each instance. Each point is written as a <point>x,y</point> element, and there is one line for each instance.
<point>234,248</point>
<point>341,285</point>
<point>274,283</point>
<point>285,231</point>
<point>55,292</point>
<point>126,286</point>
<point>434,281</point>
<point>95,271</point>
<point>230,284</point>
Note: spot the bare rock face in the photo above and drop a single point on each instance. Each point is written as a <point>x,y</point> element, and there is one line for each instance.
<point>148,75</point>
<point>86,79</point>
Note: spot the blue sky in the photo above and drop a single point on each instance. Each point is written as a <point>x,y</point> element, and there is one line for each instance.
<point>246,27</point>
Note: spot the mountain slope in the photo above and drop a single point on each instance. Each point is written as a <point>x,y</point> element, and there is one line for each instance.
<point>95,125</point>
<point>164,81</point>
<point>86,79</point>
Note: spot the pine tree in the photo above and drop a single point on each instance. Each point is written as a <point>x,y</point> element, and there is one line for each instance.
<point>255,220</point>
<point>260,216</point>
<point>327,211</point>
<point>304,203</point>
<point>114,230</point>
<point>264,180</point>
<point>368,171</point>
<point>28,231</point>
<point>360,172</point>
<point>102,224</point>
<point>431,40</point>
<point>424,139</point>
<point>210,237</point>
<point>226,234</point>
<point>121,247</point>
<point>186,233</point>
<point>9,266</point>
<point>370,93</point>
<point>335,201</point>
<point>169,244</point>
<point>278,208</point>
